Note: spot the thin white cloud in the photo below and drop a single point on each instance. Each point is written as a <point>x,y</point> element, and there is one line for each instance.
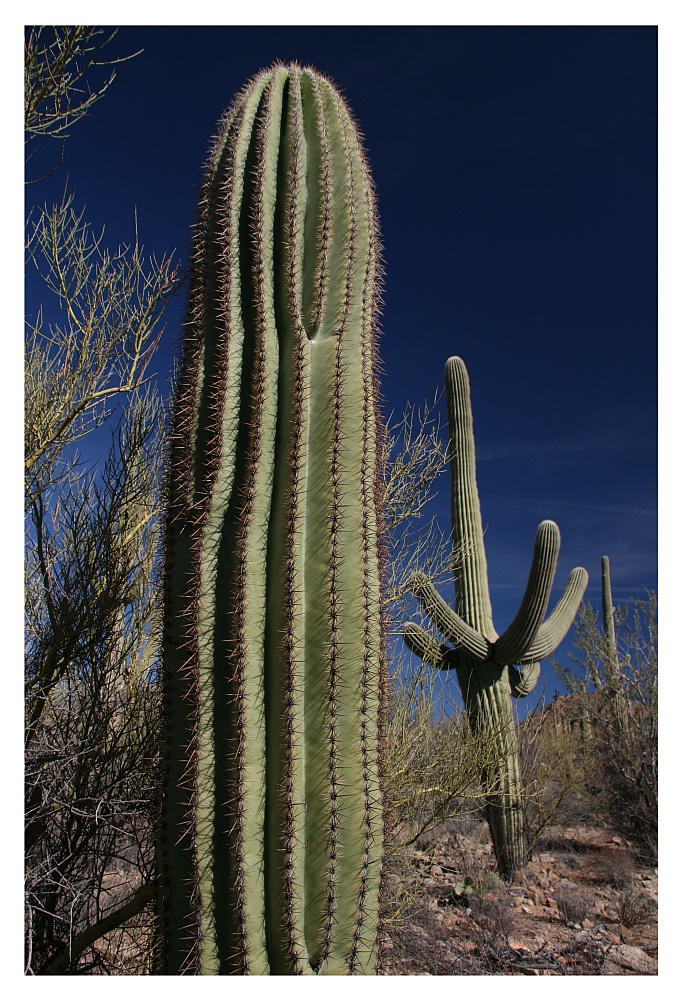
<point>552,503</point>
<point>561,446</point>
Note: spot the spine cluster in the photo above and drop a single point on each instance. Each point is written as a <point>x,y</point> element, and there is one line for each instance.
<point>270,837</point>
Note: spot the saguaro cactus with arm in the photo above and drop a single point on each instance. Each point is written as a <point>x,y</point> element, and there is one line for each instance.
<point>271,830</point>
<point>491,669</point>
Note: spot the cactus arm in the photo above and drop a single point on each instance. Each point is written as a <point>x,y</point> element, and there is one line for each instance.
<point>433,653</point>
<point>523,678</point>
<point>470,573</point>
<point>513,644</point>
<point>555,627</point>
<point>448,622</point>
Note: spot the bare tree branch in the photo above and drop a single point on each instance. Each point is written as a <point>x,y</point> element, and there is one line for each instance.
<point>134,906</point>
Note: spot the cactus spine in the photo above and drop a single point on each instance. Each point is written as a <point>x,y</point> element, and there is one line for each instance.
<point>270,836</point>
<point>491,669</point>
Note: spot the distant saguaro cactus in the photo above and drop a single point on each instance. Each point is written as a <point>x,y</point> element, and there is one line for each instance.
<point>611,658</point>
<point>271,829</point>
<point>491,668</point>
<point>613,677</point>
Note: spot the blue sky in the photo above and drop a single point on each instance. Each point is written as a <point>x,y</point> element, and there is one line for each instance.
<point>516,172</point>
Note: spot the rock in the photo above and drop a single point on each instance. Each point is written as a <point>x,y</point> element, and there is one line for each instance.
<point>630,957</point>
<point>416,929</point>
<point>518,945</point>
<point>610,937</point>
<point>436,870</point>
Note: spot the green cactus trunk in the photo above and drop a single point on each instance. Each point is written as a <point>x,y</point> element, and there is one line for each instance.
<point>486,692</point>
<point>271,832</point>
<point>491,670</point>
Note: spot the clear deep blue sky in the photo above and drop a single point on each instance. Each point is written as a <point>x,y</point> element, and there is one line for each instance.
<point>516,172</point>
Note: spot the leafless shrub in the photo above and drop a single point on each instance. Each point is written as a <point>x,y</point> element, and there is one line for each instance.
<point>613,867</point>
<point>557,766</point>
<point>493,924</point>
<point>434,766</point>
<point>623,713</point>
<point>493,916</point>
<point>634,907</point>
<point>91,710</point>
<point>572,905</point>
<point>584,956</point>
<point>62,80</point>
<point>91,540</point>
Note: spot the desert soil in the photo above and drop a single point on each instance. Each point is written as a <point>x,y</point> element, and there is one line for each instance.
<point>584,906</point>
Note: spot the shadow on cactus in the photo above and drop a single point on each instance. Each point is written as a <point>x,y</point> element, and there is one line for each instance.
<point>271,824</point>
<point>491,669</point>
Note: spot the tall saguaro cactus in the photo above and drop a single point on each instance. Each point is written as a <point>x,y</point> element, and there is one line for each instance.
<point>270,836</point>
<point>491,668</point>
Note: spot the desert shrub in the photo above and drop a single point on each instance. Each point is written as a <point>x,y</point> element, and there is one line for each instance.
<point>633,906</point>
<point>91,534</point>
<point>433,764</point>
<point>492,924</point>
<point>611,867</point>
<point>572,906</point>
<point>623,714</point>
<point>557,765</point>
<point>493,915</point>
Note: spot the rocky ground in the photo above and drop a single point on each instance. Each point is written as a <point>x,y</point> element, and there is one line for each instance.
<point>585,906</point>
